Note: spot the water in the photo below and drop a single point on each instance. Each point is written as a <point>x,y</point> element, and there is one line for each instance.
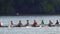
<point>34,30</point>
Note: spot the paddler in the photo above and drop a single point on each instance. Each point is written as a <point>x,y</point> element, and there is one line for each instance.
<point>35,23</point>
<point>0,24</point>
<point>11,24</point>
<point>19,24</point>
<point>50,23</point>
<point>42,23</point>
<point>57,23</point>
<point>27,23</point>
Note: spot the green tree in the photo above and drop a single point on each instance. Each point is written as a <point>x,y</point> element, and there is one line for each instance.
<point>47,6</point>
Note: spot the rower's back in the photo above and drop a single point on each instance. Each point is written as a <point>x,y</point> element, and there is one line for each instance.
<point>57,23</point>
<point>11,24</point>
<point>42,23</point>
<point>19,24</point>
<point>50,23</point>
<point>27,23</point>
<point>0,24</point>
<point>35,23</point>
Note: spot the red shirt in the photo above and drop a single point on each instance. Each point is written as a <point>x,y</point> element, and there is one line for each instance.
<point>35,23</point>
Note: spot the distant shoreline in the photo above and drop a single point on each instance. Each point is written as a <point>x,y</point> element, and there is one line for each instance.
<point>31,15</point>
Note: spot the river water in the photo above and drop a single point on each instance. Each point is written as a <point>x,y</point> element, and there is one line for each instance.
<point>33,30</point>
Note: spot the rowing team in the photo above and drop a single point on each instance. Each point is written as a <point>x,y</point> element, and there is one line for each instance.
<point>50,24</point>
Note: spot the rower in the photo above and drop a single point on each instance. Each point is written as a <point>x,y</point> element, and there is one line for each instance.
<point>0,24</point>
<point>42,23</point>
<point>27,23</point>
<point>35,23</point>
<point>50,23</point>
<point>57,23</point>
<point>11,24</point>
<point>19,24</point>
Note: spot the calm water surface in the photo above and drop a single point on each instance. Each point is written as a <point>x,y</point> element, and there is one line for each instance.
<point>34,30</point>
